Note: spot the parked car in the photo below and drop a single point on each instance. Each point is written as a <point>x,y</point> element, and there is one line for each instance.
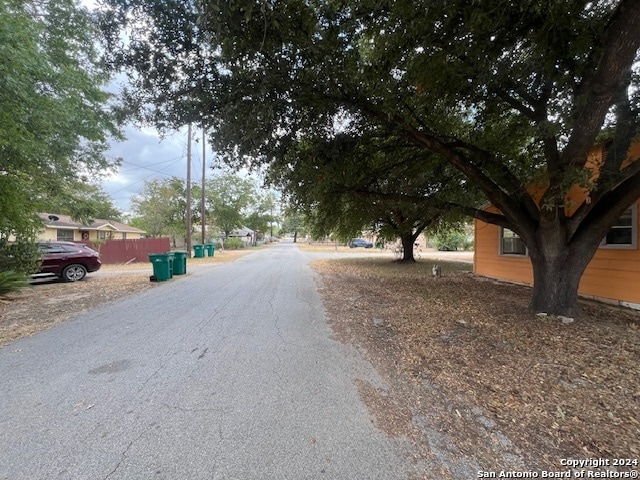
<point>67,260</point>
<point>359,242</point>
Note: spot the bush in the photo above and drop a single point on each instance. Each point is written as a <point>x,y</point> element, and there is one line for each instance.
<point>451,240</point>
<point>233,243</point>
<point>20,256</point>
<point>11,281</point>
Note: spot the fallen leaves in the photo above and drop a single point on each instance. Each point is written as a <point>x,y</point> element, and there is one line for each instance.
<point>44,305</point>
<point>448,345</point>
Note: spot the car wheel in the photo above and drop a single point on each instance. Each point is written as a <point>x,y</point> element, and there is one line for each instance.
<point>74,273</point>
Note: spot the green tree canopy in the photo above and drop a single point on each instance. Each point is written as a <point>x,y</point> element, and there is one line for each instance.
<point>54,117</point>
<point>160,208</point>
<point>263,214</point>
<point>85,201</point>
<point>506,92</point>
<point>294,223</point>
<point>349,184</point>
<point>229,196</point>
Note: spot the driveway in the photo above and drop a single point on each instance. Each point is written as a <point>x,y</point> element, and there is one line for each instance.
<point>228,373</point>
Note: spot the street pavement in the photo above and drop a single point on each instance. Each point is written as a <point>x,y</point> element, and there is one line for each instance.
<point>228,372</point>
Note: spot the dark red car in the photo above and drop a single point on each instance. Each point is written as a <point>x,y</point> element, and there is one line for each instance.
<point>67,260</point>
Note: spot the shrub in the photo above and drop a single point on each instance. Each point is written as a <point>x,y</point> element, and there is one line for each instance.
<point>11,281</point>
<point>20,256</point>
<point>233,243</point>
<point>451,239</point>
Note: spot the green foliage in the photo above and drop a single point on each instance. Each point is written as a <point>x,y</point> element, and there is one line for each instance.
<point>368,182</point>
<point>258,222</point>
<point>230,196</point>
<point>294,223</point>
<point>501,91</point>
<point>233,243</point>
<point>82,201</point>
<point>21,256</point>
<point>499,96</point>
<point>451,239</point>
<point>230,199</point>
<point>160,208</point>
<point>264,215</point>
<point>54,123</point>
<point>12,282</point>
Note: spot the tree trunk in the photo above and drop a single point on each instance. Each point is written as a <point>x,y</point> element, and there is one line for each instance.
<point>407,248</point>
<point>295,237</point>
<point>556,278</point>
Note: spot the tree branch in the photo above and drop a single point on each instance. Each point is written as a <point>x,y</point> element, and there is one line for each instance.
<point>597,92</point>
<point>487,217</point>
<point>517,105</point>
<point>598,219</point>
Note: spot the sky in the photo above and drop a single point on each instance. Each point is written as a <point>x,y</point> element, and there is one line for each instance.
<point>145,156</point>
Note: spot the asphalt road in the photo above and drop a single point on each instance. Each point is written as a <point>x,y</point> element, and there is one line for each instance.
<point>228,372</point>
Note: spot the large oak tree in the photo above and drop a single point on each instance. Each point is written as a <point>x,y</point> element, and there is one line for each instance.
<point>350,183</point>
<point>506,92</point>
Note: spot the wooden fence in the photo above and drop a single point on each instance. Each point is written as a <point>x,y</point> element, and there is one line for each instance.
<point>129,251</point>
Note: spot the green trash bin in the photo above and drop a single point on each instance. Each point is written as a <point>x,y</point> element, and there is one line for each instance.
<point>171,257</point>
<point>198,251</point>
<point>179,263</point>
<point>210,249</point>
<point>161,267</point>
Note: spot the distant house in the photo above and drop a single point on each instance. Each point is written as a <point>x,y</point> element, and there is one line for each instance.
<point>245,234</point>
<point>63,228</point>
<point>613,275</point>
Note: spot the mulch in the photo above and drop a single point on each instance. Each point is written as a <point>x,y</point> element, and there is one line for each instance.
<point>476,380</point>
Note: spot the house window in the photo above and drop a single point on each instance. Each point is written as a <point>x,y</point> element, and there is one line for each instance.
<point>124,235</point>
<point>102,235</point>
<point>511,243</point>
<point>64,235</point>
<point>624,233</point>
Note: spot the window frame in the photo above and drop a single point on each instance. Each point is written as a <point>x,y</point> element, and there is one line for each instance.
<point>634,233</point>
<point>67,232</point>
<point>501,239</point>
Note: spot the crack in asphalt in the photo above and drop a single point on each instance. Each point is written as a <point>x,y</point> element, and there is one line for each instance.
<point>275,316</point>
<point>123,456</point>
<point>171,351</point>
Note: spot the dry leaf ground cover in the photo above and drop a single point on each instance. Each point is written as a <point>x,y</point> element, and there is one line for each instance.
<point>478,382</point>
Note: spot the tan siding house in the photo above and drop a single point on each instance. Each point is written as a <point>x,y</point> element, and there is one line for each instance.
<point>62,227</point>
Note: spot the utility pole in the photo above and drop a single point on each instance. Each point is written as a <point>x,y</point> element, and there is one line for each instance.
<point>189,191</point>
<point>204,163</point>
